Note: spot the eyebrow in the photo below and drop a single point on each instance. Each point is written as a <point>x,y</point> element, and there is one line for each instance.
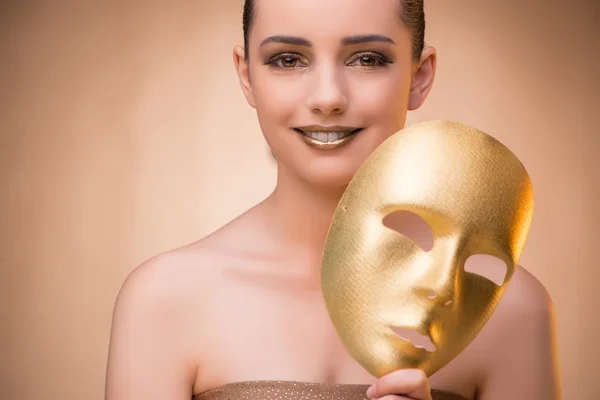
<point>287,40</point>
<point>357,39</point>
<point>347,40</point>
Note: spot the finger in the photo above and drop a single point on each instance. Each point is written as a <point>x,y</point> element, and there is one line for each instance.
<point>407,382</point>
<point>394,397</point>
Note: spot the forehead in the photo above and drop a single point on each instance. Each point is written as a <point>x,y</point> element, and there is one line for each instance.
<point>326,18</point>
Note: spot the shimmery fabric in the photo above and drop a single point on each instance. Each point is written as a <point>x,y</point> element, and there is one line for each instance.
<point>287,390</point>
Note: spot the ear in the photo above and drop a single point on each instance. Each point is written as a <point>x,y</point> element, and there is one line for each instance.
<point>423,78</point>
<point>243,72</point>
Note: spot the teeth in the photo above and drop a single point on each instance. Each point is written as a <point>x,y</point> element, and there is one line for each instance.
<point>327,137</point>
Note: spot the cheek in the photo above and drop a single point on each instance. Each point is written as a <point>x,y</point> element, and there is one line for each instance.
<point>276,97</point>
<point>381,99</point>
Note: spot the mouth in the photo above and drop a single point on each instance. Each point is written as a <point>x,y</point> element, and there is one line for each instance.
<point>327,137</point>
<point>415,338</point>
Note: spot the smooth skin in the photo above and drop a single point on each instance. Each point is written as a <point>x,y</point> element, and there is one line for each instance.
<point>244,303</point>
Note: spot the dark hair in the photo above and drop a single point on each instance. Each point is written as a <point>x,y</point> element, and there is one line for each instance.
<point>412,14</point>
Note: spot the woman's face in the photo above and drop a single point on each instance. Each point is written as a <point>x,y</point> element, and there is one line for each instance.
<point>330,81</point>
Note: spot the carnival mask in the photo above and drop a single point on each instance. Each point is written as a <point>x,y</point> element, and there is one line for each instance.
<point>380,286</point>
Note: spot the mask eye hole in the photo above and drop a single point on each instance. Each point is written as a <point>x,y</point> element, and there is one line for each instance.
<point>411,226</point>
<point>489,267</point>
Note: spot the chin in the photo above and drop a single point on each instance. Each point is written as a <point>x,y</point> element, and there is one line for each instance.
<point>333,173</point>
<point>329,180</point>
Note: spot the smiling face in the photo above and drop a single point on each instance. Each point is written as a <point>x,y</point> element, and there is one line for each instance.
<point>395,304</point>
<point>331,80</point>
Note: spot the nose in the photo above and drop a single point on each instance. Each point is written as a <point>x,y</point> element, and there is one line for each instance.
<point>327,94</point>
<point>439,285</point>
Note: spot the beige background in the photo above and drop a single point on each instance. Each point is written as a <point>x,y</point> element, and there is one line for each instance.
<point>124,133</point>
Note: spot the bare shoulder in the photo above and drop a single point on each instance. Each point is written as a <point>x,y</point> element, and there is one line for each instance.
<point>520,341</point>
<point>167,285</point>
<point>173,279</point>
<point>170,277</point>
<point>151,341</point>
<point>156,338</point>
<point>525,298</point>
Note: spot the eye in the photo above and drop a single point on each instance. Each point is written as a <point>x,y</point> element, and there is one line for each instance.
<point>489,267</point>
<point>287,61</point>
<point>369,60</point>
<point>412,226</point>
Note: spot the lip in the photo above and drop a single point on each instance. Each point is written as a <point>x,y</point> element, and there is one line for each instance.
<point>352,133</point>
<point>418,340</point>
<point>332,128</point>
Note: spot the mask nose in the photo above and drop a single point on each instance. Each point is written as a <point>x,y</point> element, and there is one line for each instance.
<point>432,294</point>
<point>438,284</point>
<point>327,93</point>
<point>441,295</point>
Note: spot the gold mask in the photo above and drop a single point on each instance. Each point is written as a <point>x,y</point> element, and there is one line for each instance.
<point>477,199</point>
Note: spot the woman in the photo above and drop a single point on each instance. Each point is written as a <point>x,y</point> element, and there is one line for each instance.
<point>330,80</point>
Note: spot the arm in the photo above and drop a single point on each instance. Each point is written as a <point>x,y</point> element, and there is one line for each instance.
<point>149,355</point>
<point>525,364</point>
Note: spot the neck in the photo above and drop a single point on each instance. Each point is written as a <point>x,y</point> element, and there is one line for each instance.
<point>302,214</point>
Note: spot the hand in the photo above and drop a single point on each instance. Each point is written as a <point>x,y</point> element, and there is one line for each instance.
<point>402,384</point>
